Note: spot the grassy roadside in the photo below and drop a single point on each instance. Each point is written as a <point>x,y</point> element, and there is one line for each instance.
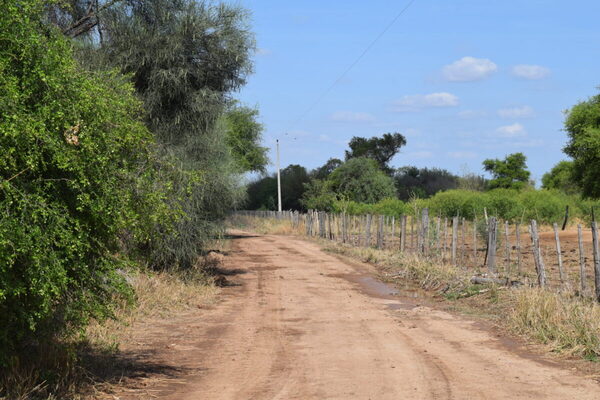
<point>73,368</point>
<point>566,325</point>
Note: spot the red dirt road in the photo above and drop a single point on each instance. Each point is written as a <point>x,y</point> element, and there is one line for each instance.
<point>302,324</point>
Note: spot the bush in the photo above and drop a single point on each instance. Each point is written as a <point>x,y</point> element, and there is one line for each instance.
<point>463,203</point>
<point>74,171</point>
<point>545,206</point>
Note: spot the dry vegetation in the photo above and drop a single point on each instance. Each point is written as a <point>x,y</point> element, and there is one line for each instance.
<point>156,294</point>
<point>568,325</point>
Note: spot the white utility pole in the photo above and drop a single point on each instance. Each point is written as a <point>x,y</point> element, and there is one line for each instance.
<point>278,180</point>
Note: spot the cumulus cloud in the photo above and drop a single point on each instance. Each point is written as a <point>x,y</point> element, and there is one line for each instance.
<point>511,131</point>
<point>419,101</point>
<point>469,69</point>
<point>530,71</point>
<point>349,116</point>
<point>516,112</point>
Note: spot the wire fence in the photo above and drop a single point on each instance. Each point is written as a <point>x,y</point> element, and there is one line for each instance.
<point>503,251</point>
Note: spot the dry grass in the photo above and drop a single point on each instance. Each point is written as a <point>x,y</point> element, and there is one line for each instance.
<point>264,226</point>
<point>156,294</point>
<point>566,325</point>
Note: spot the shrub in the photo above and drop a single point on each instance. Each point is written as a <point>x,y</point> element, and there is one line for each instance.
<point>545,206</point>
<point>73,175</point>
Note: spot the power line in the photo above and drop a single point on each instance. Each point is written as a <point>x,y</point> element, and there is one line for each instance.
<point>356,61</point>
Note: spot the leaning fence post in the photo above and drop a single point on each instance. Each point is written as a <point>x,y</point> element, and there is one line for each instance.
<point>596,259</point>
<point>558,254</point>
<point>537,255</point>
<point>454,238</point>
<point>581,259</point>
<point>491,252</point>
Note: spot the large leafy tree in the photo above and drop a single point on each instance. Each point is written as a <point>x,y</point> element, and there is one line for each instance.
<point>76,170</point>
<point>560,177</point>
<point>510,173</point>
<point>262,193</point>
<point>381,149</point>
<point>326,169</point>
<point>186,58</point>
<point>423,182</point>
<point>361,180</point>
<point>583,127</point>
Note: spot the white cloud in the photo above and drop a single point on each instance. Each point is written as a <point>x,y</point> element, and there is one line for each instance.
<point>349,116</point>
<point>418,101</point>
<point>471,114</point>
<point>462,154</point>
<point>469,69</point>
<point>511,131</point>
<point>516,112</point>
<point>530,71</point>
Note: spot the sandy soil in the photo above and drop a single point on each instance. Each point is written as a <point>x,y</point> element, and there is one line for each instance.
<point>297,323</point>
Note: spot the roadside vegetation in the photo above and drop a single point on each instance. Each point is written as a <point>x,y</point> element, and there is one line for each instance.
<point>122,148</point>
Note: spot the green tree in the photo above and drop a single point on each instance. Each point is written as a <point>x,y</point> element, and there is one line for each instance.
<point>361,180</point>
<point>583,127</point>
<point>510,173</point>
<point>381,149</point>
<point>423,182</point>
<point>318,195</point>
<point>185,59</point>
<point>76,170</point>
<point>560,177</point>
<point>244,134</point>
<point>326,169</point>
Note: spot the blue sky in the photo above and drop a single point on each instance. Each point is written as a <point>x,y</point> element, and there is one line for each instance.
<point>463,80</point>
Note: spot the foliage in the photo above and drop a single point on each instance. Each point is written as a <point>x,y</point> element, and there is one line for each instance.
<point>382,150</point>
<point>318,196</point>
<point>360,179</point>
<point>510,173</point>
<point>471,181</point>
<point>262,194</point>
<point>293,180</point>
<point>583,128</point>
<point>75,167</point>
<point>422,182</point>
<point>326,169</point>
<point>244,134</point>
<point>185,58</point>
<point>560,177</point>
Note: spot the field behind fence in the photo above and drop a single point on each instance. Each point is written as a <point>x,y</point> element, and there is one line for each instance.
<point>492,250</point>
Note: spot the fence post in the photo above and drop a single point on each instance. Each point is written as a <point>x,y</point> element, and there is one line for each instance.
<point>445,238</point>
<point>491,245</point>
<point>537,255</point>
<point>412,232</point>
<point>507,247</point>
<point>559,254</point>
<point>454,238</point>
<point>380,232</point>
<point>518,234</point>
<point>403,232</point>
<point>423,232</point>
<point>475,241</point>
<point>393,228</point>
<point>368,231</point>
<point>581,259</point>
<point>596,259</point>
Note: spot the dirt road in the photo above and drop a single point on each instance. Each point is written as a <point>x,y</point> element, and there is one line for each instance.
<point>298,323</point>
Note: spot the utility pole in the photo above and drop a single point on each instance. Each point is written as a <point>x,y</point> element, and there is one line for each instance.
<point>278,180</point>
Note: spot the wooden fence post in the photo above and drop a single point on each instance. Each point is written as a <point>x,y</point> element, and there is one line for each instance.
<point>438,238</point>
<point>454,238</point>
<point>380,232</point>
<point>445,238</point>
<point>424,232</point>
<point>537,255</point>
<point>403,232</point>
<point>581,260</point>
<point>559,254</point>
<point>491,245</point>
<point>507,248</point>
<point>475,241</point>
<point>368,231</point>
<point>596,259</point>
<point>412,232</point>
<point>518,234</point>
